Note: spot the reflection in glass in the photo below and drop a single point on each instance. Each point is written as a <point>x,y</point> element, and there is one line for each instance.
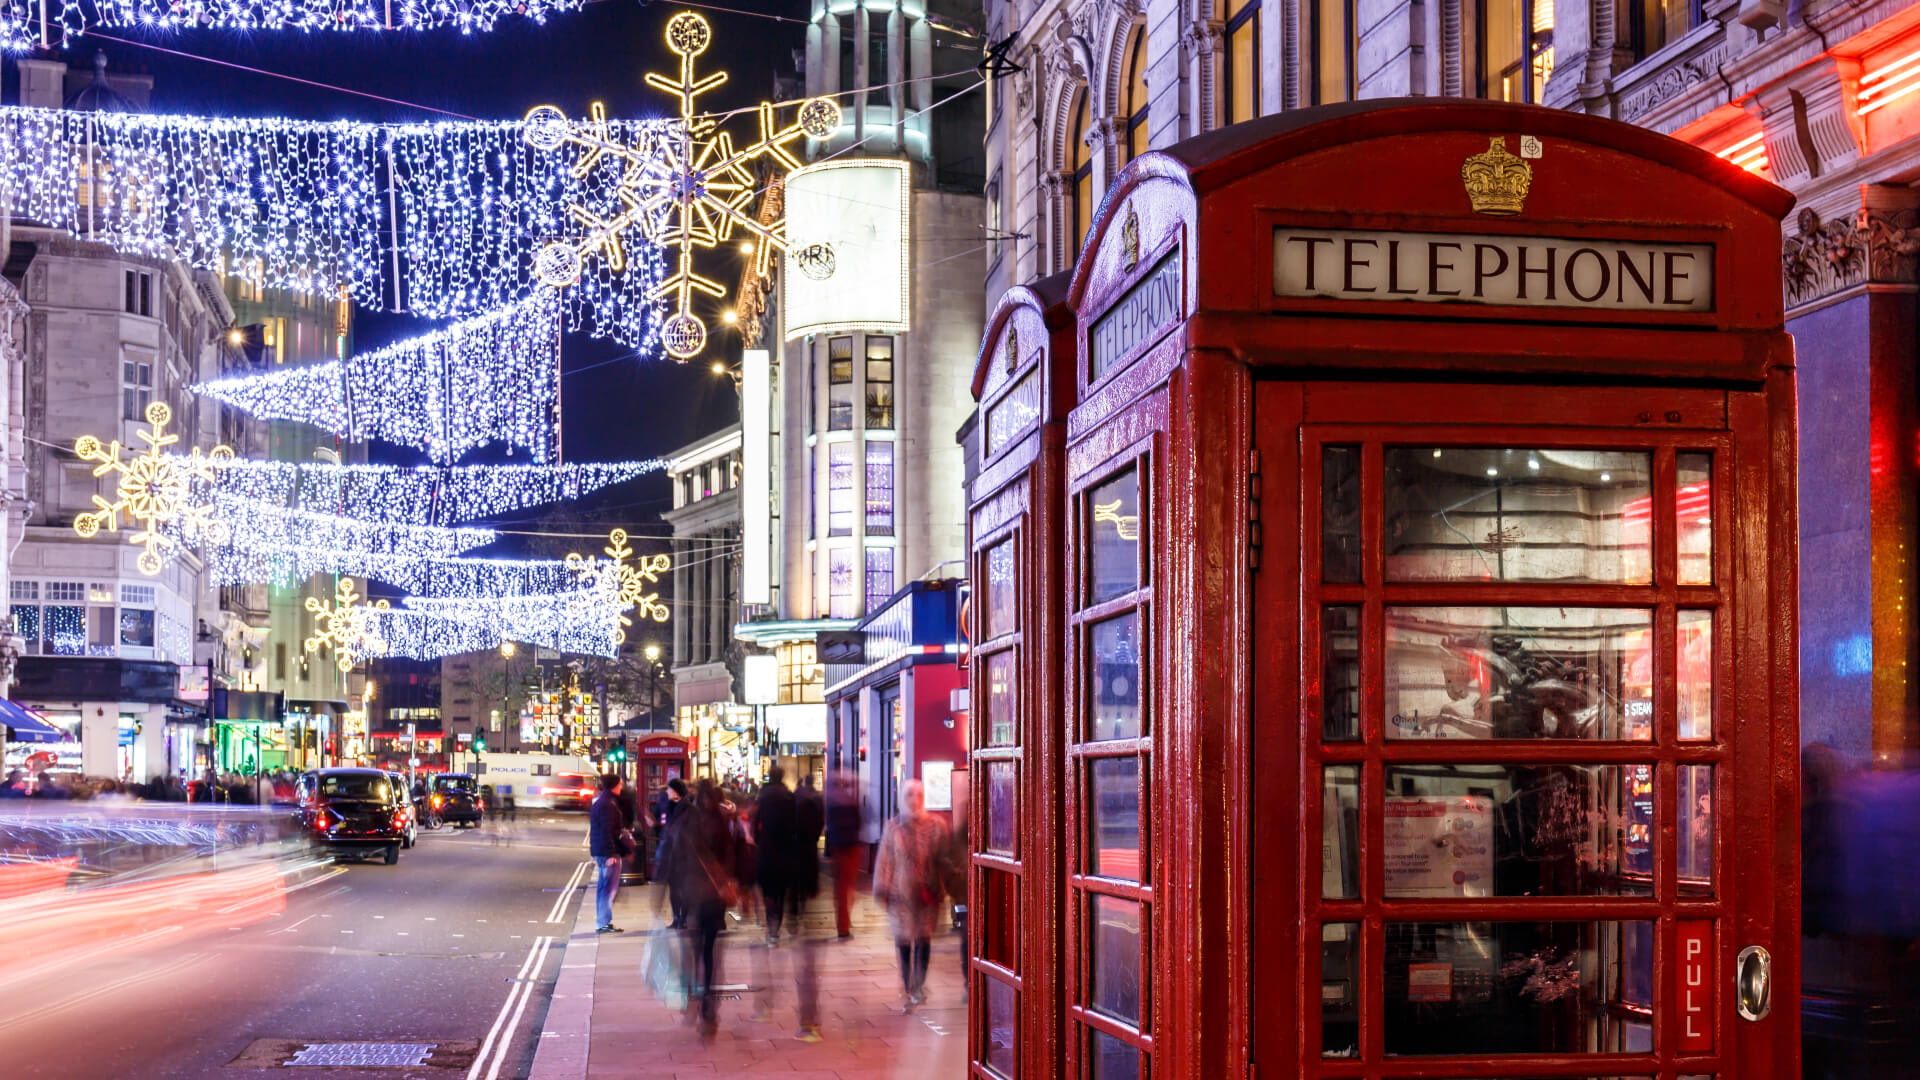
<point>1114,647</point>
<point>1000,807</point>
<point>1111,1059</point>
<point>1465,514</point>
<point>1003,610</point>
<point>998,1014</point>
<point>1002,702</point>
<point>1115,844</point>
<point>1339,820</point>
<point>1696,829</point>
<point>1340,515</point>
<point>1513,830</point>
<point>1693,512</point>
<point>1113,522</point>
<point>1340,990</point>
<point>1340,673</point>
<point>1519,673</point>
<point>1113,971</point>
<point>1694,675</point>
<point>1511,988</point>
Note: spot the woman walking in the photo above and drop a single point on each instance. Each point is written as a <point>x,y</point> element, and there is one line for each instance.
<point>702,874</point>
<point>908,882</point>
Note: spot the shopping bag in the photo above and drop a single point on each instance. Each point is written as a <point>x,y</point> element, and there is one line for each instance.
<point>661,968</point>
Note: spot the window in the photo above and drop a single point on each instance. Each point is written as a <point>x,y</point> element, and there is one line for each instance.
<point>813,389</point>
<point>1515,40</point>
<point>1080,190</point>
<point>840,598</point>
<point>139,298</point>
<point>24,590</point>
<point>840,489</point>
<point>802,677</point>
<point>1133,107</point>
<point>136,388</point>
<point>993,218</point>
<point>848,49</point>
<point>1653,24</point>
<point>880,489</point>
<point>136,627</point>
<point>1242,98</point>
<point>814,485</point>
<point>880,383</point>
<point>878,92</point>
<point>69,591</point>
<point>279,659</point>
<point>1332,26</point>
<point>65,629</point>
<point>26,623</point>
<point>840,384</point>
<point>879,576</point>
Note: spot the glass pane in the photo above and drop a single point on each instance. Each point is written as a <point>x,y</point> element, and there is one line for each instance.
<point>1114,645</point>
<point>1339,820</point>
<point>1693,510</point>
<point>1696,829</point>
<point>1513,988</point>
<point>998,1011</point>
<point>1001,600</point>
<point>1110,1059</point>
<point>1113,510</point>
<point>1462,514</point>
<point>1509,830</point>
<point>1002,704</point>
<point>1115,844</point>
<point>1113,971</point>
<point>1519,673</point>
<point>1340,514</point>
<point>998,918</point>
<point>1694,675</point>
<point>1340,673</point>
<point>1340,990</point>
<point>1000,807</point>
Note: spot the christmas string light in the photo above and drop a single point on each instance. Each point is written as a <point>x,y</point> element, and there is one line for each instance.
<point>425,494</point>
<point>483,379</point>
<point>580,621</point>
<point>155,489</point>
<point>347,625</point>
<point>249,523</point>
<point>625,580</point>
<point>444,220</point>
<point>467,16</point>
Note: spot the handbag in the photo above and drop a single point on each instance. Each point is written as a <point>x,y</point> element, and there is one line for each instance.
<point>624,841</point>
<point>723,885</point>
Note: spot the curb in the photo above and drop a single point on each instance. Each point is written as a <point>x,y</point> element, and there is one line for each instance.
<point>561,1047</point>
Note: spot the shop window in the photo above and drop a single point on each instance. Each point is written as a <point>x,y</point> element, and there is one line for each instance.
<point>880,383</point>
<point>1515,39</point>
<point>1242,98</point>
<point>879,576</point>
<point>1080,183</point>
<point>136,388</point>
<point>840,384</point>
<point>879,489</point>
<point>1331,23</point>
<point>840,494</point>
<point>1133,107</point>
<point>841,599</point>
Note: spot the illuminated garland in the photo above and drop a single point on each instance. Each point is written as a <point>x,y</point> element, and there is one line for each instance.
<point>493,377</point>
<point>581,621</point>
<point>422,495</point>
<point>347,625</point>
<point>467,15</point>
<point>442,220</point>
<point>164,493</point>
<point>251,524</point>
<point>624,579</point>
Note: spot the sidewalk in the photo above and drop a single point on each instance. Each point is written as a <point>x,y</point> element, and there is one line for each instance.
<point>604,1022</point>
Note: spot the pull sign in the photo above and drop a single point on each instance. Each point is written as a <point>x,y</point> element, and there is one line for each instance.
<point>1694,939</point>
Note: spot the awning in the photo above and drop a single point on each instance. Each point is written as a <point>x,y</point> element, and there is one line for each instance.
<point>23,726</point>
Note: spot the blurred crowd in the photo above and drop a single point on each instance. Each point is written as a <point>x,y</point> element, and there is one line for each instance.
<point>234,788</point>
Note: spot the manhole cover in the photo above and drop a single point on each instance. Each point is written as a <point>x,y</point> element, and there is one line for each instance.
<point>364,1055</point>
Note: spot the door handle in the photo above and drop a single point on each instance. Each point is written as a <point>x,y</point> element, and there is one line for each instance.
<point>1753,983</point>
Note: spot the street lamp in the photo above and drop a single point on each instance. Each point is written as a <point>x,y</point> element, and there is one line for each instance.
<point>652,653</point>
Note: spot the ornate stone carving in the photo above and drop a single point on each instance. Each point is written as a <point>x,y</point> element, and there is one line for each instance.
<point>1893,241</point>
<point>1204,36</point>
<point>1824,258</point>
<point>1672,82</point>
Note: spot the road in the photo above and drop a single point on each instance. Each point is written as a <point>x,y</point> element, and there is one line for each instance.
<point>457,946</point>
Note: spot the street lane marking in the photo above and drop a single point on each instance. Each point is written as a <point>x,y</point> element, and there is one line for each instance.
<point>536,952</point>
<point>560,902</point>
<point>295,926</point>
<point>513,1025</point>
<point>100,991</point>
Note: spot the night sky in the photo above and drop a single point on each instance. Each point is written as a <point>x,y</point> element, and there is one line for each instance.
<point>617,405</point>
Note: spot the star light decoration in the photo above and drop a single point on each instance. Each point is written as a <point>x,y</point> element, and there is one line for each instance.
<point>347,624</point>
<point>155,489</point>
<point>624,582</point>
<point>684,185</point>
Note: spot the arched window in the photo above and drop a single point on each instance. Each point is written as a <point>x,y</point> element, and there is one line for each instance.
<point>1133,100</point>
<point>1081,189</point>
<point>1242,98</point>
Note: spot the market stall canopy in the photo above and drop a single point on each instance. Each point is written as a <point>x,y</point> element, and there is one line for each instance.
<point>24,726</point>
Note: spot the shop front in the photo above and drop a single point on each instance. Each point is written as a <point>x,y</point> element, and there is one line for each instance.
<point>1385,548</point>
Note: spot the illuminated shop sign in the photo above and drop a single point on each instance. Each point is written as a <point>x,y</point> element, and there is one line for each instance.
<point>1522,271</point>
<point>1142,315</point>
<point>847,246</point>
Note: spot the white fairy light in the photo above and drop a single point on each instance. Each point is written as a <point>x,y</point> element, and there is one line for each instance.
<point>425,494</point>
<point>578,621</point>
<point>493,377</point>
<point>467,16</point>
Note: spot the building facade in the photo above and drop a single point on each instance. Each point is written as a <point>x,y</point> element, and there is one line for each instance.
<point>705,659</point>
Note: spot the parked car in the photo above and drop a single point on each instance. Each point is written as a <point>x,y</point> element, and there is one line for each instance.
<point>358,811</point>
<point>456,799</point>
<point>413,818</point>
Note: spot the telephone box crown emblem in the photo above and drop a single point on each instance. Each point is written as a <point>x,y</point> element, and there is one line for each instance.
<point>1496,181</point>
<point>1130,240</point>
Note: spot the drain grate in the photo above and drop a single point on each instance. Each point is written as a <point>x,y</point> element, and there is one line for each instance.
<point>363,1054</point>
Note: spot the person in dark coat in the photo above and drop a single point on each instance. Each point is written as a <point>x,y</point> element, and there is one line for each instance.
<point>810,820</point>
<point>672,804</point>
<point>844,846</point>
<point>701,875</point>
<point>606,844</point>
<point>776,835</point>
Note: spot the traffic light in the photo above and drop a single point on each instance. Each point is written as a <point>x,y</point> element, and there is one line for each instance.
<point>479,742</point>
<point>617,753</point>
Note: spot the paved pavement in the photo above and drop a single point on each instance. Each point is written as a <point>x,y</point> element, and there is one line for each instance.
<point>453,947</point>
<point>605,1022</point>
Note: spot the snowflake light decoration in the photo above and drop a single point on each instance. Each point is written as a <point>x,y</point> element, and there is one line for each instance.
<point>347,624</point>
<point>684,185</point>
<point>624,582</point>
<point>155,489</point>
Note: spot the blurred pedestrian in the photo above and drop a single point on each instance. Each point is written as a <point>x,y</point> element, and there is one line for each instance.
<point>608,840</point>
<point>776,840</point>
<point>15,786</point>
<point>673,804</point>
<point>908,882</point>
<point>844,846</point>
<point>702,875</point>
<point>809,820</point>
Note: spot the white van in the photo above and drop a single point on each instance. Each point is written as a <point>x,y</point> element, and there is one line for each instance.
<point>535,781</point>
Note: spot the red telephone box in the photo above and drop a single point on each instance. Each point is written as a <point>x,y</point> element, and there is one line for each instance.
<point>1398,679</point>
<point>658,759</point>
